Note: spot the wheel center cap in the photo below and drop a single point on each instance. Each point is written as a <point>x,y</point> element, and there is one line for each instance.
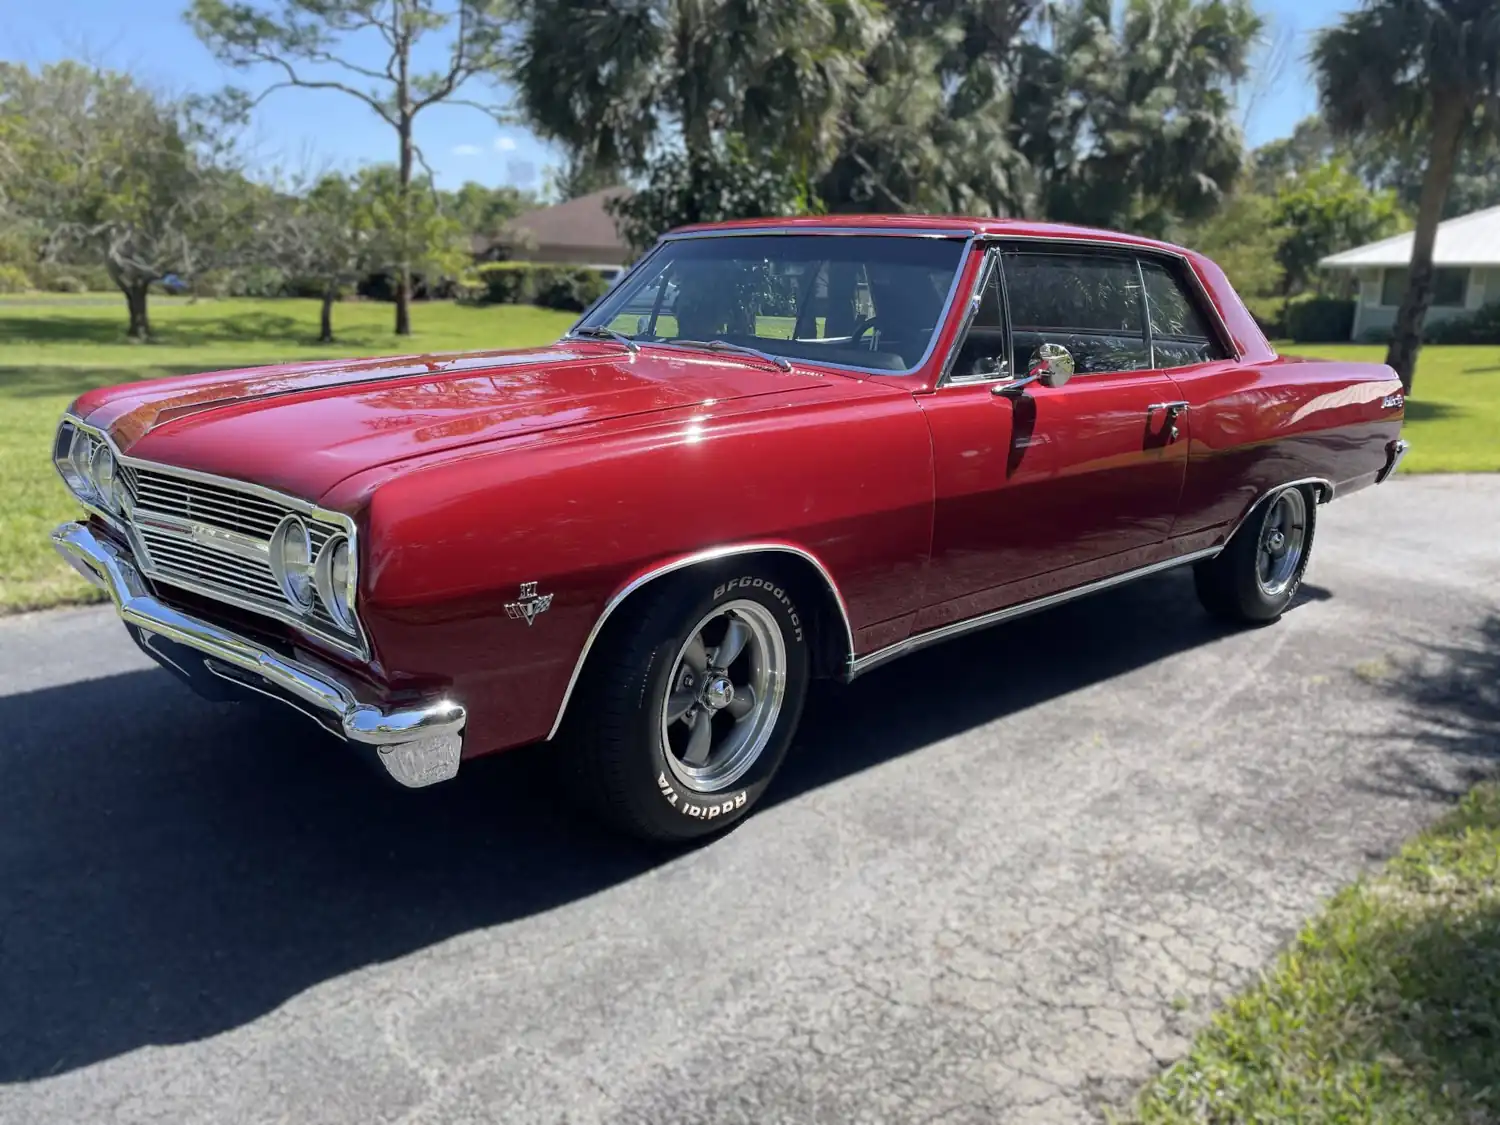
<point>718,693</point>
<point>1276,540</point>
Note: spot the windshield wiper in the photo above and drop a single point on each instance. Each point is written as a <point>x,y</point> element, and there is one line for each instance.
<point>601,332</point>
<point>726,346</point>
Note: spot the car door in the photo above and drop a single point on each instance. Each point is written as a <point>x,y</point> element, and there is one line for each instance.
<point>1051,487</point>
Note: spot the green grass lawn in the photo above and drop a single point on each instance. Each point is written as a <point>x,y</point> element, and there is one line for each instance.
<point>54,348</point>
<point>1453,415</point>
<point>1386,1009</point>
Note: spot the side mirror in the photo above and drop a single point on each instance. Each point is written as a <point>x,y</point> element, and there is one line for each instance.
<point>1051,365</point>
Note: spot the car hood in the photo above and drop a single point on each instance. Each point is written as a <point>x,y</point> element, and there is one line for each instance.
<point>302,428</point>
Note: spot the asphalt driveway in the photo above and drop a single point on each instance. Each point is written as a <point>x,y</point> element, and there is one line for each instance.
<point>1000,880</point>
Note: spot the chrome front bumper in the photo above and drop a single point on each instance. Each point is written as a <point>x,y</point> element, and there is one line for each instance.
<point>416,745</point>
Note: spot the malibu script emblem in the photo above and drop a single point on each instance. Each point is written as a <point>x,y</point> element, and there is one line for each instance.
<point>530,606</point>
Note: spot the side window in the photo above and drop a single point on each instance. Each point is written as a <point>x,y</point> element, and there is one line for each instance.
<point>1179,334</point>
<point>1088,303</point>
<point>982,354</point>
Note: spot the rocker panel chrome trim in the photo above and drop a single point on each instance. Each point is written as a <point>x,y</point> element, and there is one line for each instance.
<point>863,664</point>
<point>713,554</point>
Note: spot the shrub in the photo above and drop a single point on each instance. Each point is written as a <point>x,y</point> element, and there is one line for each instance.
<point>13,279</point>
<point>571,288</point>
<point>1480,327</point>
<point>1320,320</point>
<point>71,279</point>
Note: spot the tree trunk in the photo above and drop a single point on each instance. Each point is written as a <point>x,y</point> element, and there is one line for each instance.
<point>1442,155</point>
<point>135,302</point>
<point>325,329</point>
<point>404,114</point>
<point>403,217</point>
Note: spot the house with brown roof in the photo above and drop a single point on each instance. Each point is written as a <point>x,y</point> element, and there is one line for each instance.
<point>578,232</point>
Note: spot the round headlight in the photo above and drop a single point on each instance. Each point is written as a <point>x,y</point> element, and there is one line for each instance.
<point>102,472</point>
<point>292,562</point>
<point>81,454</point>
<point>335,581</point>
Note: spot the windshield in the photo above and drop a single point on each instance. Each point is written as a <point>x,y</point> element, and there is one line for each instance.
<point>870,301</point>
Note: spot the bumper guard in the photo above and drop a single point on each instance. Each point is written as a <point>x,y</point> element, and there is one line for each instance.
<point>417,745</point>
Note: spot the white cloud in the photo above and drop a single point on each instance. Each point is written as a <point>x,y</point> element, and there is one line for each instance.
<point>505,144</point>
<point>465,150</point>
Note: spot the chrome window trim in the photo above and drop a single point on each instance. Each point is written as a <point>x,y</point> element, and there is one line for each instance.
<point>990,264</point>
<point>712,554</point>
<point>858,666</point>
<point>1226,338</point>
<point>967,235</point>
<point>358,646</point>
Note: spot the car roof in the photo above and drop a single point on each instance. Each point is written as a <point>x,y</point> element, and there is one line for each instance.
<point>918,225</point>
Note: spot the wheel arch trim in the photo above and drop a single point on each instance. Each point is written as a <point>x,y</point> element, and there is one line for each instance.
<point>1325,494</point>
<point>697,558</point>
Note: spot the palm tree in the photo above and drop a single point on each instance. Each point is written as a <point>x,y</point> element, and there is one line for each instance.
<point>1398,69</point>
<point>615,82</point>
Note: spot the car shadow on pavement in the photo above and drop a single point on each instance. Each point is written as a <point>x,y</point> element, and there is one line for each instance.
<point>171,869</point>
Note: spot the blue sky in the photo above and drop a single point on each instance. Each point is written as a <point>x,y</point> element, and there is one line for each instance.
<point>311,131</point>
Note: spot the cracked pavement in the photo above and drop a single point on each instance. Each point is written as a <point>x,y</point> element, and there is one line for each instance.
<point>1002,880</point>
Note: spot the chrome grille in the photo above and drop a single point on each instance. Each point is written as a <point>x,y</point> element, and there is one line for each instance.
<point>164,509</point>
<point>204,503</point>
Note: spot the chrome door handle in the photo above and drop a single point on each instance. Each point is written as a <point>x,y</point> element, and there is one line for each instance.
<point>1173,409</point>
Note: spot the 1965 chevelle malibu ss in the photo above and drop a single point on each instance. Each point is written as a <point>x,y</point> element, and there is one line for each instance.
<point>773,451</point>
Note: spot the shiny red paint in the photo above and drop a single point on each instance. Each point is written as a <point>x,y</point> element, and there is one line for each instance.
<point>582,467</point>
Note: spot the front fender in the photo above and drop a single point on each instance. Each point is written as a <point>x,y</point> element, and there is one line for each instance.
<point>841,476</point>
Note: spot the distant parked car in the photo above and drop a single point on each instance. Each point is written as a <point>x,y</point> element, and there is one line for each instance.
<point>773,451</point>
<point>174,284</point>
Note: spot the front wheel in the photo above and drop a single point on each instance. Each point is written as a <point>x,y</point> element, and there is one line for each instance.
<point>688,713</point>
<point>1256,576</point>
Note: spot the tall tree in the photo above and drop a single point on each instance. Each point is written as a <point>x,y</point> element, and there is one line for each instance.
<point>1415,68</point>
<point>930,126</point>
<point>328,235</point>
<point>364,49</point>
<point>1126,112</point>
<point>107,172</point>
<point>1325,210</point>
<point>618,83</point>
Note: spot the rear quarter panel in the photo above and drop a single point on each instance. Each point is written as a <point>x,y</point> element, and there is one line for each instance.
<point>842,470</point>
<point>1255,426</point>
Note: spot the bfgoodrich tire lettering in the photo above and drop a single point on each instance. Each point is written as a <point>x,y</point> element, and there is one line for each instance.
<point>690,703</point>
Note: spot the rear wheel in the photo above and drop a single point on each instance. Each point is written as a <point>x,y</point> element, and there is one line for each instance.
<point>1257,574</point>
<point>688,711</point>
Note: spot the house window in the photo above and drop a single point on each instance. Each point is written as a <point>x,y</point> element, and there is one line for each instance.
<point>1449,288</point>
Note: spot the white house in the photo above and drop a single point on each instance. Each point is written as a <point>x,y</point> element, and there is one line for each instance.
<point>1467,257</point>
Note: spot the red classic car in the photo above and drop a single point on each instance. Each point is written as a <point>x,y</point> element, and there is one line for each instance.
<point>772,451</point>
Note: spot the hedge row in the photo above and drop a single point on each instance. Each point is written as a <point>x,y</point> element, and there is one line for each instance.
<point>1482,326</point>
<point>572,288</point>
